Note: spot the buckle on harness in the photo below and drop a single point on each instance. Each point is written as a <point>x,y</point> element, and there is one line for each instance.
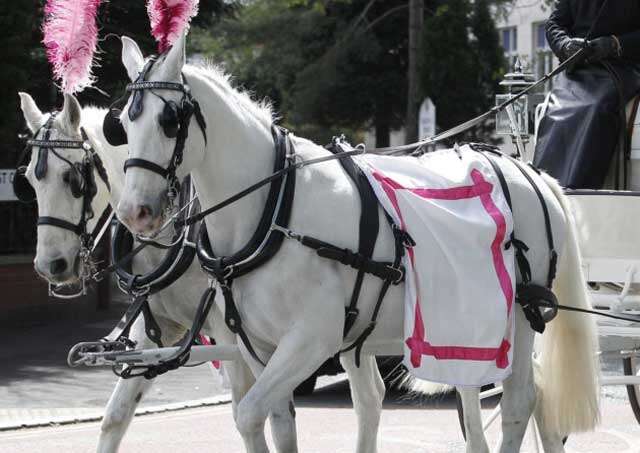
<point>403,237</point>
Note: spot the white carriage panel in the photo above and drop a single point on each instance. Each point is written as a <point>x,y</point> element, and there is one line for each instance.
<point>608,225</point>
<point>611,270</point>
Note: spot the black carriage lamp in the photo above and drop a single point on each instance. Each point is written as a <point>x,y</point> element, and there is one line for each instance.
<point>514,120</point>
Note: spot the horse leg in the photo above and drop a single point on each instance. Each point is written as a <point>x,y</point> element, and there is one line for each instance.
<point>367,392</point>
<point>551,442</point>
<point>128,392</point>
<point>476,441</point>
<point>299,353</point>
<point>519,394</point>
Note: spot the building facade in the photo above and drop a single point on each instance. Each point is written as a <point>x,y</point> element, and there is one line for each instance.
<point>522,35</point>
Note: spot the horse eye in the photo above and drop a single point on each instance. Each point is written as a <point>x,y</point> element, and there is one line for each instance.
<point>66,176</point>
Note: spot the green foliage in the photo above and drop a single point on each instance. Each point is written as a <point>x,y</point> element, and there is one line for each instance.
<point>327,66</point>
<point>462,63</point>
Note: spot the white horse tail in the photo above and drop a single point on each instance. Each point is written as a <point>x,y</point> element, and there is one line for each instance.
<point>569,368</point>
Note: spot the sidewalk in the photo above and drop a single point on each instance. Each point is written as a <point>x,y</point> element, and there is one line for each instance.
<point>37,385</point>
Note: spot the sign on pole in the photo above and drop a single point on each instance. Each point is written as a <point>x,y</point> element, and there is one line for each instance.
<point>6,184</point>
<point>427,121</point>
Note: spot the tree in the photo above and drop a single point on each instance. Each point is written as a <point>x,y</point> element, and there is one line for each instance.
<point>462,63</point>
<point>328,66</point>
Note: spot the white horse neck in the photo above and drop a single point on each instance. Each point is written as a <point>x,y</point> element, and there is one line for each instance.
<point>240,151</point>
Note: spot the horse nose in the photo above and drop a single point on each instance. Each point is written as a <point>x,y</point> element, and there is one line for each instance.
<point>139,217</point>
<point>58,266</point>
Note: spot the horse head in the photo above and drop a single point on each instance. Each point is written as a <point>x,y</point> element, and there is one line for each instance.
<point>157,120</point>
<point>60,177</point>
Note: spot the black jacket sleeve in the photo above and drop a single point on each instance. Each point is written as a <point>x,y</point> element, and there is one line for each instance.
<point>558,25</point>
<point>630,43</point>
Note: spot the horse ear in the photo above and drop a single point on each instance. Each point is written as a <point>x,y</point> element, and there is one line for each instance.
<point>132,57</point>
<point>176,59</point>
<point>70,115</point>
<point>32,115</point>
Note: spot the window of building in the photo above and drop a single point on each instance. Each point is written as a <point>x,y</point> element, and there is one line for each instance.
<point>542,55</point>
<point>509,42</point>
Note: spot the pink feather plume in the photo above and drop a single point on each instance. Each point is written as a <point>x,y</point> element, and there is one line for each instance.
<point>170,19</point>
<point>70,37</point>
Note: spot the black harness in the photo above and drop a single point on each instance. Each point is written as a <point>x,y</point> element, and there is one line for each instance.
<point>273,228</point>
<point>538,302</point>
<point>179,256</point>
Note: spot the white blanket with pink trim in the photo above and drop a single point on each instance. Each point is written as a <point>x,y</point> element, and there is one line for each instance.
<point>458,321</point>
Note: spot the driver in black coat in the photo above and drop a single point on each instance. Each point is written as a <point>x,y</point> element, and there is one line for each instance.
<point>584,123</point>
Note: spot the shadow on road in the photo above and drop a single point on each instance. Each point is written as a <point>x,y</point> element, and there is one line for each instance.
<point>337,395</point>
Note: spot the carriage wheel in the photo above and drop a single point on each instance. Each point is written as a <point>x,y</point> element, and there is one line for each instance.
<point>632,368</point>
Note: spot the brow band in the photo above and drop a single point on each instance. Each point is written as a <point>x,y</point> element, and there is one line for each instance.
<point>70,144</point>
<point>157,86</point>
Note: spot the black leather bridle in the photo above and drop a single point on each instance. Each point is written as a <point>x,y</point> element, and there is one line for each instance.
<point>81,182</point>
<point>174,120</point>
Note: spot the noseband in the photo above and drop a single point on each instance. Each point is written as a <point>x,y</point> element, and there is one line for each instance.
<point>174,121</point>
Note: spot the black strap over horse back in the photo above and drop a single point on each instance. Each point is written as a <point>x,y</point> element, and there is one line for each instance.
<point>530,296</point>
<point>368,230</point>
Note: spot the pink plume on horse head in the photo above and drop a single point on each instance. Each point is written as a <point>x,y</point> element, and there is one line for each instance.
<point>70,37</point>
<point>169,19</point>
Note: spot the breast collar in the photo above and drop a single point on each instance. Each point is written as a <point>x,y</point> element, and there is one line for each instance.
<point>177,259</point>
<point>265,241</point>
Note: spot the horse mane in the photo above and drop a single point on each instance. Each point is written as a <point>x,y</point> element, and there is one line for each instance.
<point>215,75</point>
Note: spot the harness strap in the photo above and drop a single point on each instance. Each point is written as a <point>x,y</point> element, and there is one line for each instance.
<point>400,243</point>
<point>234,321</point>
<point>147,165</point>
<point>553,261</point>
<point>368,233</point>
<point>61,223</point>
<point>381,269</point>
<point>181,356</point>
<point>520,247</point>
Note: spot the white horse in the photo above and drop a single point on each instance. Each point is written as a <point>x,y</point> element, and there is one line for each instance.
<point>173,308</point>
<point>293,306</point>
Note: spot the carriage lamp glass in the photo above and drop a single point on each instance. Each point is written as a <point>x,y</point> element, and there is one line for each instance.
<point>520,111</point>
<point>515,82</point>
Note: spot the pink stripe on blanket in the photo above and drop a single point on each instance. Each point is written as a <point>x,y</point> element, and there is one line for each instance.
<point>482,189</point>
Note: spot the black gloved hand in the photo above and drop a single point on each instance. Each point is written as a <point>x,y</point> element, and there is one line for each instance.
<point>603,48</point>
<point>572,46</point>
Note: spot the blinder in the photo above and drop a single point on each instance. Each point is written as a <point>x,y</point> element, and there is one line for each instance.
<point>169,119</point>
<point>22,188</point>
<point>112,127</point>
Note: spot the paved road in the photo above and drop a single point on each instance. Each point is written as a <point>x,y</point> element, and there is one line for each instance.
<point>326,423</point>
<point>35,374</point>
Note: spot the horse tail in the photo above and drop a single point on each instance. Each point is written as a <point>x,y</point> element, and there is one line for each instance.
<point>569,368</point>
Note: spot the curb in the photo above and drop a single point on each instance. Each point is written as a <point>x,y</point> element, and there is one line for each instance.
<point>52,421</point>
